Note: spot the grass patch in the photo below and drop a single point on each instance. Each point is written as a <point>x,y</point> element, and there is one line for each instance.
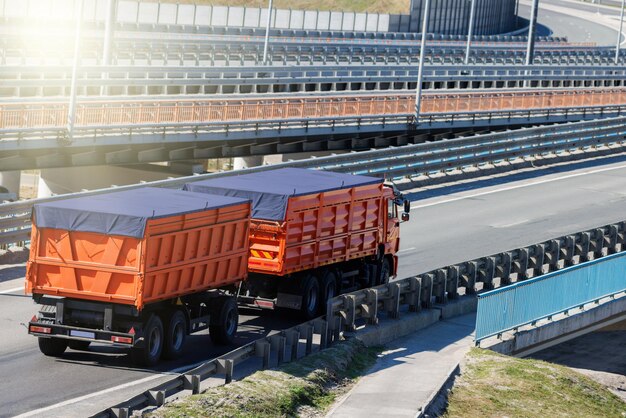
<point>493,385</point>
<point>370,6</point>
<point>311,383</point>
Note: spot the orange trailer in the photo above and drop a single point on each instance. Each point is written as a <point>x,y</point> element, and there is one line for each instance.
<point>313,234</point>
<point>129,267</point>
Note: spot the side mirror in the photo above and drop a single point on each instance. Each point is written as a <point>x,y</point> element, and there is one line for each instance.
<point>407,206</point>
<point>405,217</point>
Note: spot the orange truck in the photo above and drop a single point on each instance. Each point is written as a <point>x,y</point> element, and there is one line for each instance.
<point>139,269</point>
<point>144,268</point>
<point>313,234</point>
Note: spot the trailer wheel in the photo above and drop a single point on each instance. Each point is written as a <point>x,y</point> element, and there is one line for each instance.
<point>224,320</point>
<point>310,292</point>
<point>384,272</point>
<point>150,353</point>
<point>329,290</point>
<point>175,334</point>
<point>52,347</point>
<point>78,345</point>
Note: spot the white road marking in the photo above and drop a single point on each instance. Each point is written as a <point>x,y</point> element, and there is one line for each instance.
<point>511,224</point>
<point>518,186</point>
<point>12,290</point>
<point>406,250</point>
<point>105,391</point>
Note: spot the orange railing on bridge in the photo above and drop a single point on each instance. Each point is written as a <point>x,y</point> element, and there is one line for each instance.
<point>190,111</point>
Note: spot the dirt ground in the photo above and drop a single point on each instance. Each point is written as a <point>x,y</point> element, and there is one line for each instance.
<point>599,355</point>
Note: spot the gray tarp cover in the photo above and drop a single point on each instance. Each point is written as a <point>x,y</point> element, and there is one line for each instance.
<point>270,190</point>
<point>124,213</point>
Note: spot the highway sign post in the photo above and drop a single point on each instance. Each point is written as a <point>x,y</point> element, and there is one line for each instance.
<point>420,73</point>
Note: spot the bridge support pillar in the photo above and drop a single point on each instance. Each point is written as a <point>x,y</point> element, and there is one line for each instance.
<point>247,162</point>
<point>11,181</point>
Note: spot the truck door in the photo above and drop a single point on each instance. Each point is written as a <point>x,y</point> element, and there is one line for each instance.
<point>393,227</point>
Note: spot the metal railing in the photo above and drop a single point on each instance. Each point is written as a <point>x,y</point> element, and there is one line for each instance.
<point>527,302</point>
<point>559,141</point>
<point>112,114</point>
<point>352,311</point>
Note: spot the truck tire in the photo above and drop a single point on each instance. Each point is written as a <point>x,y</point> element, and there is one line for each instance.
<point>384,272</point>
<point>310,292</point>
<point>78,345</point>
<point>150,353</point>
<point>224,320</point>
<point>329,290</point>
<point>175,335</point>
<point>52,347</point>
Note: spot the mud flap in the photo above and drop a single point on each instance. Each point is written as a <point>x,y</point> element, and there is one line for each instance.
<point>287,300</point>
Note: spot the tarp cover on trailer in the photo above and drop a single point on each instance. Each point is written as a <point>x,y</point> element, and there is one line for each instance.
<point>270,190</point>
<point>124,213</point>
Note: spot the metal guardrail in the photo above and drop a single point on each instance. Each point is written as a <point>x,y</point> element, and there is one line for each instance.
<point>362,308</point>
<point>530,301</point>
<point>287,345</point>
<point>411,160</point>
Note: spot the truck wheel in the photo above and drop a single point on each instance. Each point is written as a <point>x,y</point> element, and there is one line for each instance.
<point>310,292</point>
<point>150,353</point>
<point>329,290</point>
<point>385,272</point>
<point>224,320</point>
<point>175,334</point>
<point>79,345</point>
<point>52,347</point>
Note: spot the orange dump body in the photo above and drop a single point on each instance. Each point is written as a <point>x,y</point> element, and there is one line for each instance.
<point>320,229</point>
<point>178,255</point>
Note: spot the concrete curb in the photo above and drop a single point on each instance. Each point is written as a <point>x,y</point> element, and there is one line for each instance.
<point>439,399</point>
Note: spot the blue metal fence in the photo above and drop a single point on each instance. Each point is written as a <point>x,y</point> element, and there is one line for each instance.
<point>529,301</point>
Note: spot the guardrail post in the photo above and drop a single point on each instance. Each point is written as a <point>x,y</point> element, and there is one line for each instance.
<point>369,309</point>
<point>392,304</point>
<point>612,241</point>
<point>336,334</point>
<point>322,329</point>
<point>553,255</point>
<point>439,286</point>
<point>308,332</point>
<point>583,248</point>
<point>538,260</point>
<point>278,343</point>
<point>349,312</point>
<point>469,277</point>
<point>503,269</point>
<point>598,243</point>
<point>569,251</point>
<point>521,265</point>
<point>452,284</point>
<point>192,382</point>
<point>413,296</point>
<point>227,367</point>
<point>120,412</point>
<point>489,273</point>
<point>293,340</point>
<point>263,349</point>
<point>426,292</point>
<point>157,397</point>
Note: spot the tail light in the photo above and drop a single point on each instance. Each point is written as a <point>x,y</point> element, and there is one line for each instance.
<point>40,330</point>
<point>122,340</point>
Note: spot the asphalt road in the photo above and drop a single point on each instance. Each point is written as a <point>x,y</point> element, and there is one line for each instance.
<point>576,29</point>
<point>448,225</point>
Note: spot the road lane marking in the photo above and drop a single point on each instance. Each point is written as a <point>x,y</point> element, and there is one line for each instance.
<point>11,290</point>
<point>518,186</point>
<point>109,390</point>
<point>406,250</point>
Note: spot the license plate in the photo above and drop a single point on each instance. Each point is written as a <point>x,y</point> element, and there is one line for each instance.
<point>83,334</point>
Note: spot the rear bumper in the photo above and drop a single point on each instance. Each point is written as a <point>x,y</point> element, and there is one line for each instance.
<point>117,339</point>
